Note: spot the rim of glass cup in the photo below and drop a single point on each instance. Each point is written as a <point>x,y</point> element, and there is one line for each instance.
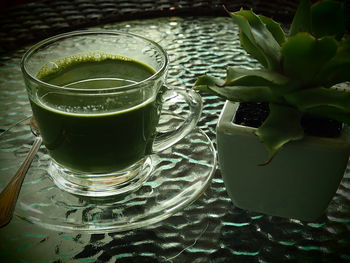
<point>52,39</point>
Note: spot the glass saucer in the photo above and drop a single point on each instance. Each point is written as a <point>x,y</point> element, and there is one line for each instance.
<point>181,174</point>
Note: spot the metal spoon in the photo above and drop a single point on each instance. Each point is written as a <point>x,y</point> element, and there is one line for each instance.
<point>9,195</point>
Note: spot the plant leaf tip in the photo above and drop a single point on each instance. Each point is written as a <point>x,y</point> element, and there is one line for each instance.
<point>225,8</point>
<point>266,162</point>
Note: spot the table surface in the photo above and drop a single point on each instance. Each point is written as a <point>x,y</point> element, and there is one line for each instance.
<point>211,229</point>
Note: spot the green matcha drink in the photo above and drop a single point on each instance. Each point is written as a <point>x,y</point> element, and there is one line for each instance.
<point>92,133</point>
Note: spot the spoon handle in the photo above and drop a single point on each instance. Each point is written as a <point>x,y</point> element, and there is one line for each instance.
<point>9,195</point>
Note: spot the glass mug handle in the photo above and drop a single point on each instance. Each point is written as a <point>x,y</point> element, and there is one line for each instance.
<point>177,101</point>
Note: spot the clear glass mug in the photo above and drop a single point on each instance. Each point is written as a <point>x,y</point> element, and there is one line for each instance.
<point>97,97</point>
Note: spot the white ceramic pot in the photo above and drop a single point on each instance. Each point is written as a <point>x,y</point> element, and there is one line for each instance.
<point>300,181</point>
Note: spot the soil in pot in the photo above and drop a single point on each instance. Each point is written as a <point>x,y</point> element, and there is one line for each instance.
<point>253,114</point>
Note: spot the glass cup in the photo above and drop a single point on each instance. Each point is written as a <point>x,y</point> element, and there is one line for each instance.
<point>97,97</point>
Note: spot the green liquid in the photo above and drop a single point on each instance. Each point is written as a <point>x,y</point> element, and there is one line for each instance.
<point>96,141</point>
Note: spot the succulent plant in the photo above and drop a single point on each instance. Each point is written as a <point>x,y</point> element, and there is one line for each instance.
<point>299,70</point>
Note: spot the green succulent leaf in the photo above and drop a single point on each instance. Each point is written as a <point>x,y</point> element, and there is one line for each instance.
<point>275,132</point>
<point>331,103</point>
<point>309,98</point>
<point>203,83</point>
<point>331,113</point>
<point>302,18</point>
<point>214,86</point>
<point>274,28</point>
<point>336,70</point>
<point>256,85</point>
<point>249,77</point>
<point>304,56</point>
<point>260,38</point>
<point>328,19</point>
<point>251,48</point>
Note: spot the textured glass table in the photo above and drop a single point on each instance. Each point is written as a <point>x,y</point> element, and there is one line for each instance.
<point>210,229</point>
